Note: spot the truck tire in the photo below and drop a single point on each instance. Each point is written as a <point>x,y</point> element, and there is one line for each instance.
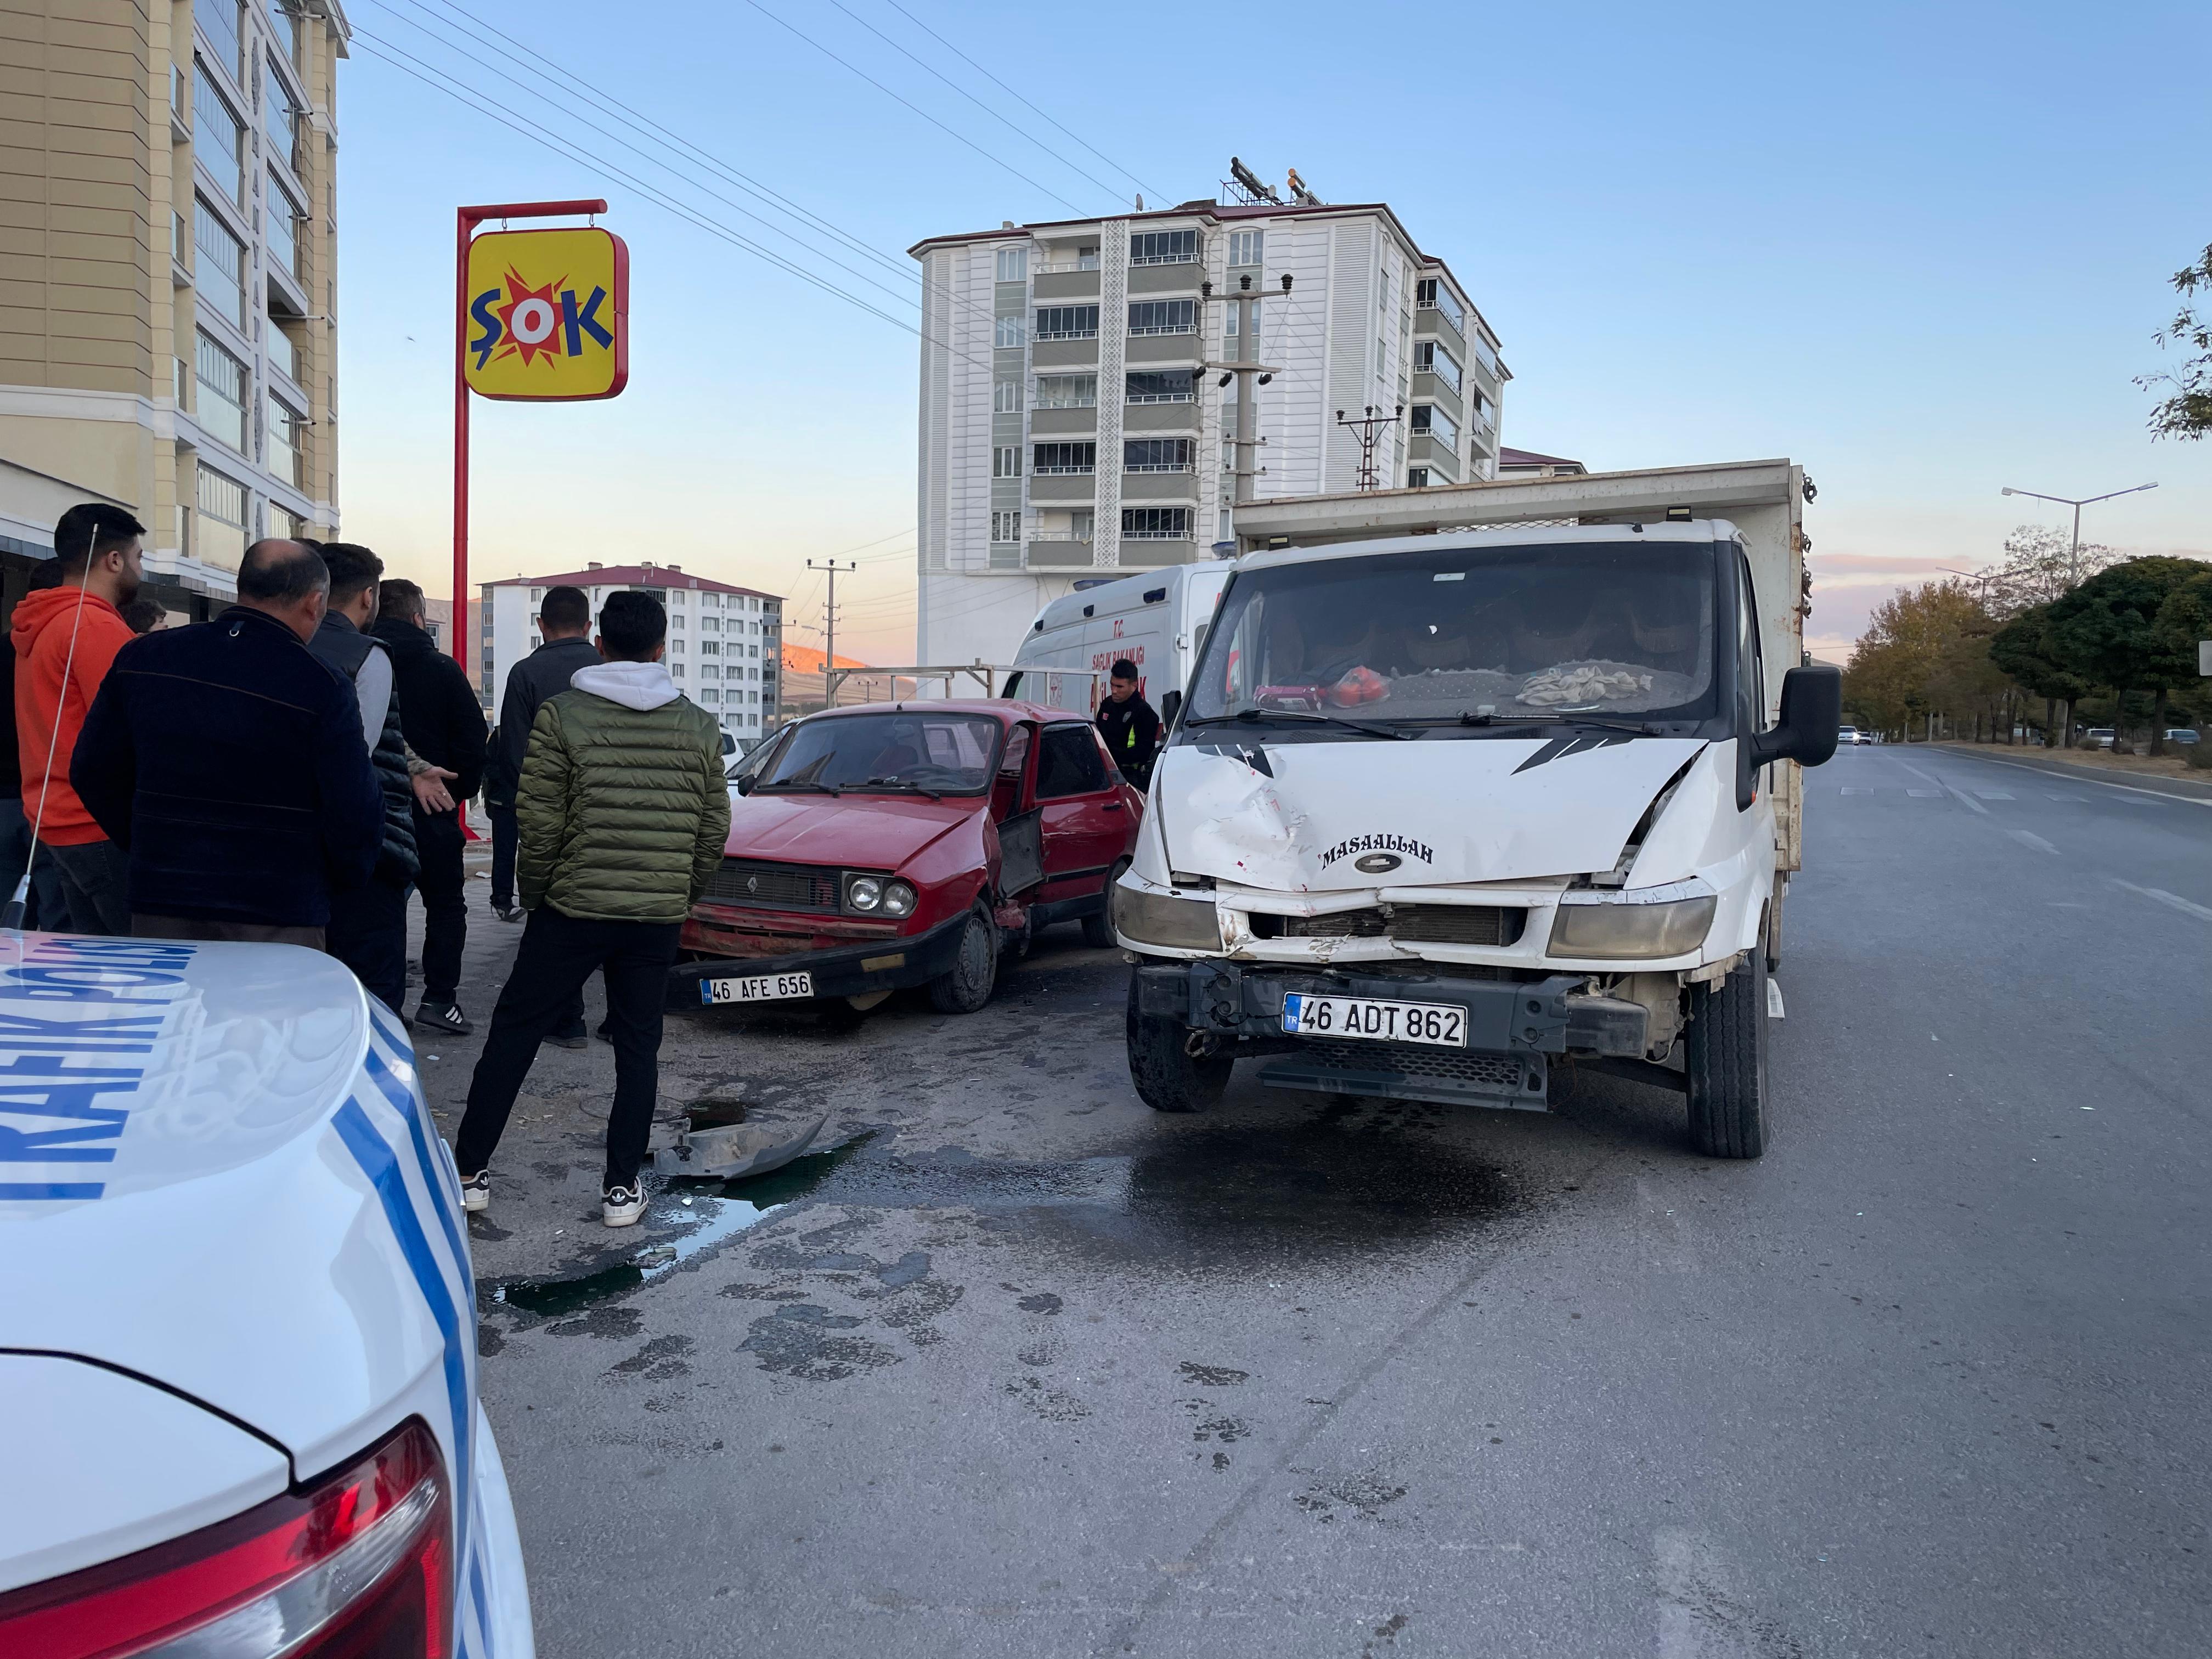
<point>1167,1077</point>
<point>968,984</point>
<point>1724,1054</point>
<point>1098,930</point>
<point>1773,928</point>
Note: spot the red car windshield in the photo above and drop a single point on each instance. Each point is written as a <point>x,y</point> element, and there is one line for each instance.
<point>944,754</point>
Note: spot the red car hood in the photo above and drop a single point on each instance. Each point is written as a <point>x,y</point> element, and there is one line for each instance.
<point>870,832</point>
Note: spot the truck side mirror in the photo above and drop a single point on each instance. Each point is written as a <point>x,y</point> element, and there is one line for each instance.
<point>1168,704</point>
<point>1812,712</point>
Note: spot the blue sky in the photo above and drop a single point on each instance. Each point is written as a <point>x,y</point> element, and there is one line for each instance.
<point>1920,249</point>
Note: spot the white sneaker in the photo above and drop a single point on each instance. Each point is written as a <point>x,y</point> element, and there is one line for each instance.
<point>620,1207</point>
<point>475,1191</point>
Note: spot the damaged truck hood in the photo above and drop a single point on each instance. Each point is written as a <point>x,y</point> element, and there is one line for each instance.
<point>1327,817</point>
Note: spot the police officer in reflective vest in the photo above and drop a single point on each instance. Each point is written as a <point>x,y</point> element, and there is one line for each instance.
<point>1129,725</point>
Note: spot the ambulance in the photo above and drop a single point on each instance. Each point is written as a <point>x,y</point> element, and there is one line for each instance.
<point>237,1351</point>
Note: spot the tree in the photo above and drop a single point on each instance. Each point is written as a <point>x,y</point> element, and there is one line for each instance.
<point>1925,650</point>
<point>2105,631</point>
<point>2188,412</point>
<point>2185,619</point>
<point>2023,649</point>
<point>2040,563</point>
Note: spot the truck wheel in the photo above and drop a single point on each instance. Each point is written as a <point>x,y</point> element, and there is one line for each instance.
<point>1724,1049</point>
<point>1167,1078</point>
<point>1098,930</point>
<point>968,984</point>
<point>1773,929</point>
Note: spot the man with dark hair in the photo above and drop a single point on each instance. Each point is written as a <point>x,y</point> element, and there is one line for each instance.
<point>368,929</point>
<point>444,725</point>
<point>229,764</point>
<point>1130,724</point>
<point>65,638</point>
<point>140,615</point>
<point>623,811</point>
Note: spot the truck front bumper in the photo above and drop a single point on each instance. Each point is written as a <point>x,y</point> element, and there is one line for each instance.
<point>1514,1029</point>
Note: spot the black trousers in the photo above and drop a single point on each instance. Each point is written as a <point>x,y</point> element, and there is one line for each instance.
<point>96,879</point>
<point>367,932</point>
<point>506,835</point>
<point>556,956</point>
<point>438,844</point>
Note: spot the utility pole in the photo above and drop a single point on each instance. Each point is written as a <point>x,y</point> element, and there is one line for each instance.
<point>1249,372</point>
<point>830,622</point>
<point>1369,429</point>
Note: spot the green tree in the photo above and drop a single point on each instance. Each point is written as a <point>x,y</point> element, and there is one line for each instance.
<point>2183,619</point>
<point>2105,631</point>
<point>2187,413</point>
<point>1925,652</point>
<point>2023,649</point>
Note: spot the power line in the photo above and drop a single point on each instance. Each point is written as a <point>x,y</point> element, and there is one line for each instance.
<point>1004,88</point>
<point>916,108</point>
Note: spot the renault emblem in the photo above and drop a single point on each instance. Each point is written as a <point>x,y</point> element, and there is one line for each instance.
<point>752,883</point>
<point>1375,864</point>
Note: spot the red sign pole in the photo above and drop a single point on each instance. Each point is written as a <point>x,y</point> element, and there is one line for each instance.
<point>465,220</point>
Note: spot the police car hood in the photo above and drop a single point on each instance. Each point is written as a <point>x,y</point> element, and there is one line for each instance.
<point>215,1173</point>
<point>1302,816</point>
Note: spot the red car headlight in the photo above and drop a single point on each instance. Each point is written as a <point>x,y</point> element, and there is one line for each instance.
<point>898,899</point>
<point>356,1565</point>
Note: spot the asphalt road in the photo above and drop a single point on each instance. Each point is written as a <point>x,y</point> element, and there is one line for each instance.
<point>1020,1369</point>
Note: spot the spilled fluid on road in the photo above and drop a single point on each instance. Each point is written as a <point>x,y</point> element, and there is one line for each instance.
<point>734,1207</point>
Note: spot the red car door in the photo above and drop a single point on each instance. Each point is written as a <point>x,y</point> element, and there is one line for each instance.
<point>1086,817</point>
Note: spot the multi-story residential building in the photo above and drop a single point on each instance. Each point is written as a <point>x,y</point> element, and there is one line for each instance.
<point>725,643</point>
<point>167,278</point>
<point>1074,400</point>
<point>1527,464</point>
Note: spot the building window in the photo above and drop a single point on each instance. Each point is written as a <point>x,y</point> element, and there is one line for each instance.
<point>676,671</point>
<point>1163,247</point>
<point>1245,246</point>
<point>1155,455</point>
<point>1006,461</point>
<point>219,269</point>
<point>1064,458</point>
<point>1432,422</point>
<point>284,23</point>
<point>222,538</point>
<point>284,433</point>
<point>279,118</point>
<point>1155,524</point>
<point>1417,478</point>
<point>1006,526</point>
<point>1162,317</point>
<point>1380,348</point>
<point>710,649</point>
<point>283,215</point>
<point>217,136</point>
<point>1429,358</point>
<point>1067,322</point>
<point>283,354</point>
<point>1006,398</point>
<point>1171,386</point>
<point>1432,295</point>
<point>1013,265</point>
<point>1086,257</point>
<point>1007,335</point>
<point>218,21</point>
<point>222,401</point>
<point>1067,392</point>
<point>710,624</point>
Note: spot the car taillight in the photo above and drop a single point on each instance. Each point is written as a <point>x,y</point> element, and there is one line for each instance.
<point>355,1566</point>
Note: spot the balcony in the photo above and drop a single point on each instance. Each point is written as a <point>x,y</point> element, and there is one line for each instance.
<point>1176,277</point>
<point>1066,282</point>
<point>1058,553</point>
<point>1064,354</point>
<point>1138,554</point>
<point>1063,423</point>
<point>1049,487</point>
<point>1144,348</point>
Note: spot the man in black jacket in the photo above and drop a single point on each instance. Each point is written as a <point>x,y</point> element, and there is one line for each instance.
<point>228,764</point>
<point>1129,725</point>
<point>444,725</point>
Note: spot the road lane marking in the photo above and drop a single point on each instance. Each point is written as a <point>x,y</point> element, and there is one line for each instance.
<point>2027,839</point>
<point>2045,772</point>
<point>1958,795</point>
<point>1925,795</point>
<point>1773,998</point>
<point>1992,794</point>
<point>2173,901</point>
<point>1854,789</point>
<point>2071,797</point>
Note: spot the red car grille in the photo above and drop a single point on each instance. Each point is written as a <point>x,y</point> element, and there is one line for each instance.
<point>753,885</point>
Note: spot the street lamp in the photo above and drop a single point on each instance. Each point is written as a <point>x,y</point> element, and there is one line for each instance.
<point>2073,558</point>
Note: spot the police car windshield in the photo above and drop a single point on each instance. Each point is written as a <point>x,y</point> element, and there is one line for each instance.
<point>896,753</point>
<point>1598,628</point>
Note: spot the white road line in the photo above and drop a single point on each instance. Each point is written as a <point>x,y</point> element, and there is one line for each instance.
<point>1959,795</point>
<point>1773,998</point>
<point>1992,794</point>
<point>2025,839</point>
<point>1852,789</point>
<point>2173,901</point>
<point>2071,797</point>
<point>1925,795</point>
<point>2043,772</point>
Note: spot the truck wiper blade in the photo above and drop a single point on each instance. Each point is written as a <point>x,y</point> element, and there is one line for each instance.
<point>1253,716</point>
<point>1474,717</point>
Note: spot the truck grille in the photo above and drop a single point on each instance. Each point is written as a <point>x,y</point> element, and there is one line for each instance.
<point>754,886</point>
<point>1414,924</point>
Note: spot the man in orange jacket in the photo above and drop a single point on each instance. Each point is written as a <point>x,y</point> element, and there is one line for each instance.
<point>65,638</point>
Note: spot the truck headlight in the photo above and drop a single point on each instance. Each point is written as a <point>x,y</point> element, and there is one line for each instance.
<point>1162,919</point>
<point>1619,932</point>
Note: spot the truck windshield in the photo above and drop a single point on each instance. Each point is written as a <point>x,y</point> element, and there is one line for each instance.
<point>947,754</point>
<point>1602,629</point>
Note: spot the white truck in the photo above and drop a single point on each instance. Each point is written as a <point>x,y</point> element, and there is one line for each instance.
<point>1448,815</point>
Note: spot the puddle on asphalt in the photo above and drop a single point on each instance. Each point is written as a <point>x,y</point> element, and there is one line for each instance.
<point>723,1209</point>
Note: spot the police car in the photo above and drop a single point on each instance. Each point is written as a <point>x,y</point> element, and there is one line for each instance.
<point>237,1321</point>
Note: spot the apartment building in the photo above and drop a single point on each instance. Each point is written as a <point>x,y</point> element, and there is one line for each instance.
<point>1074,403</point>
<point>725,643</point>
<point>167,278</point>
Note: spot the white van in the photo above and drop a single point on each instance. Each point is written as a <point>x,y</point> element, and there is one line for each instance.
<point>1157,620</point>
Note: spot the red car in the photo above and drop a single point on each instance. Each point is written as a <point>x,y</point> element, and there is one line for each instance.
<point>899,844</point>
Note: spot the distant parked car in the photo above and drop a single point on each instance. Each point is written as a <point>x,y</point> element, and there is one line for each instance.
<point>2181,734</point>
<point>1851,734</point>
<point>2098,736</point>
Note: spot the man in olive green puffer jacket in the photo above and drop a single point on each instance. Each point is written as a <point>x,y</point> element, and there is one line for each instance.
<point>622,811</point>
